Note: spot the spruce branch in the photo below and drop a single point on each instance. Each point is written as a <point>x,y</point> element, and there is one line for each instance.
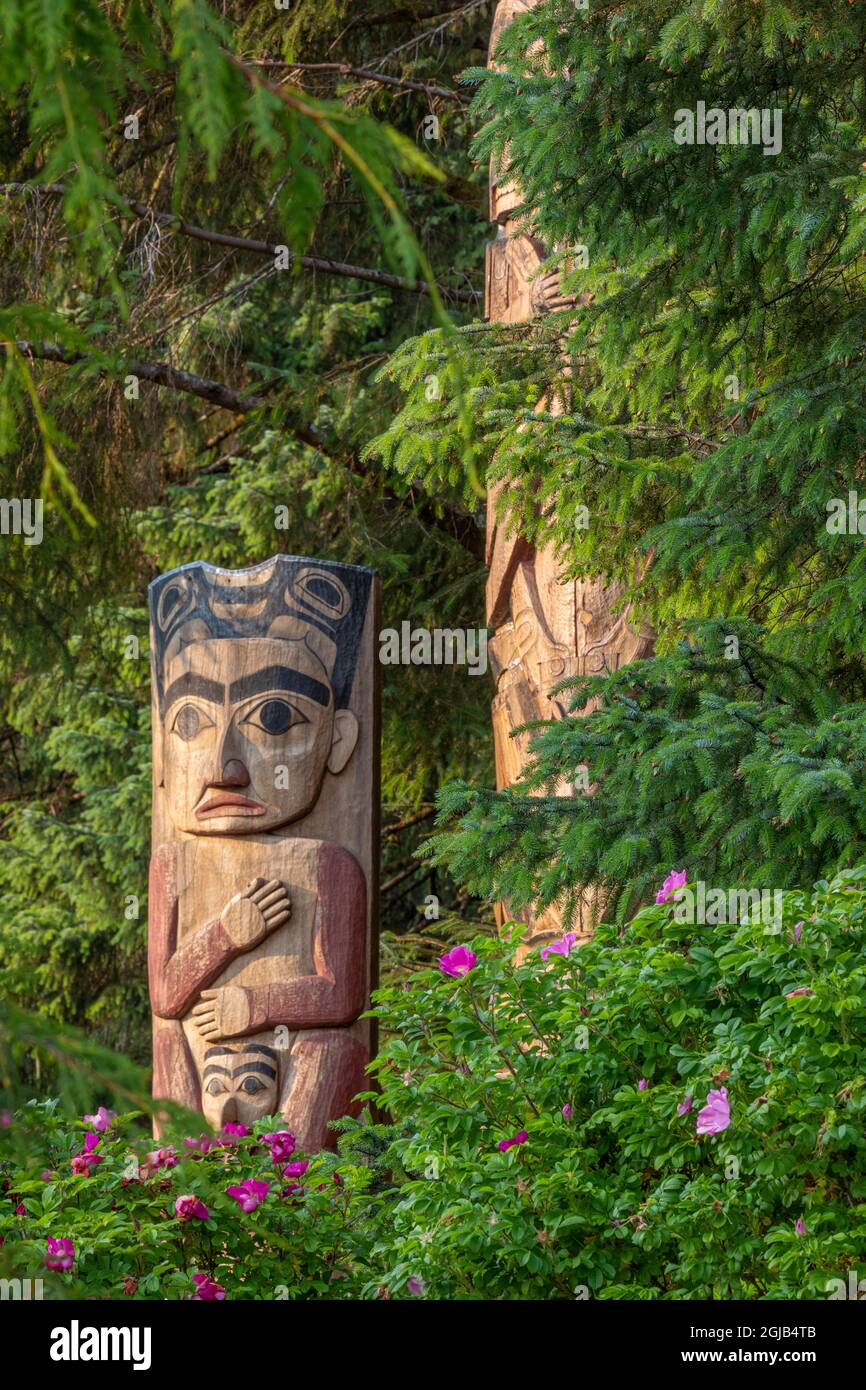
<point>365,74</point>
<point>160,373</point>
<point>255,246</point>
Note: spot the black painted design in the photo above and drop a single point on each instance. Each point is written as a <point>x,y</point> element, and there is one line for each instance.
<point>200,601</point>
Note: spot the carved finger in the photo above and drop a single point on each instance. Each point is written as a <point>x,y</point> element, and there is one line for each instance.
<point>266,889</point>
<point>278,904</point>
<point>270,884</point>
<point>252,888</point>
<point>278,895</point>
<point>209,1030</point>
<point>279,919</point>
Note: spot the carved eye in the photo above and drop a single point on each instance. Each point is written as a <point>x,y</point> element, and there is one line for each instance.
<point>215,1087</point>
<point>275,717</point>
<point>190,721</point>
<point>251,1085</point>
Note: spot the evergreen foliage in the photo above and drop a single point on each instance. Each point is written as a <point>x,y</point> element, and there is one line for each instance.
<point>704,402</point>
<point>136,482</point>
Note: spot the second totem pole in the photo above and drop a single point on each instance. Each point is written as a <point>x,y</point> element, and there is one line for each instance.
<point>546,628</point>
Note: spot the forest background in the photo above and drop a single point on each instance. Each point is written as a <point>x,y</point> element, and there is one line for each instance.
<point>117,122</point>
<point>167,388</point>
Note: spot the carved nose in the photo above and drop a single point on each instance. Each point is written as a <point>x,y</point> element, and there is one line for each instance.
<point>228,1113</point>
<point>234,774</point>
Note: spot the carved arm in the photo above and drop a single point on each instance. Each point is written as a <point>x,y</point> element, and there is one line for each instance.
<point>178,973</point>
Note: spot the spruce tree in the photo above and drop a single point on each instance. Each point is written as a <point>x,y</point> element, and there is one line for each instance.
<point>713,376</point>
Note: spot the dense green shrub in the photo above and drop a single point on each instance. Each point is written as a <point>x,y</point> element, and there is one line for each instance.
<point>129,1238</point>
<point>543,1144</point>
<point>622,1199</point>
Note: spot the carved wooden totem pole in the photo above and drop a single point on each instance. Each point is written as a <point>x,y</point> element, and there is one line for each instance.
<point>545,629</point>
<point>261,951</point>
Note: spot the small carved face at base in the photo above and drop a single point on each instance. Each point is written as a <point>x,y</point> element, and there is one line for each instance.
<point>249,727</point>
<point>239,1084</point>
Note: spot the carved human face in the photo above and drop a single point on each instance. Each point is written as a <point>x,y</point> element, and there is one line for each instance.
<point>248,731</point>
<point>239,1084</point>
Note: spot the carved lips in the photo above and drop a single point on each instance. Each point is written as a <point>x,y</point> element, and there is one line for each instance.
<point>230,803</point>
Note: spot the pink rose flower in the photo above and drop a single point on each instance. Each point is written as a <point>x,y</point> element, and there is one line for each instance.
<point>206,1291</point>
<point>567,1111</point>
<point>716,1114</point>
<point>249,1194</point>
<point>643,1084</point>
<point>798,931</point>
<point>161,1158</point>
<point>505,1144</point>
<point>101,1120</point>
<point>296,1170</point>
<point>415,1286</point>
<point>239,1131</point>
<point>281,1145</point>
<point>20,1210</point>
<point>190,1207</point>
<point>560,947</point>
<point>800,1227</point>
<point>60,1254</point>
<point>685,1106</point>
<point>200,1146</point>
<point>674,881</point>
<point>458,962</point>
<point>83,1164</point>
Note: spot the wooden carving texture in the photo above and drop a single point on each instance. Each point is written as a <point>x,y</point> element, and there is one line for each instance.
<point>262,911</point>
<point>546,628</point>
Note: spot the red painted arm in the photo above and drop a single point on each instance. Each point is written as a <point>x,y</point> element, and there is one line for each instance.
<point>177,974</point>
<point>337,993</point>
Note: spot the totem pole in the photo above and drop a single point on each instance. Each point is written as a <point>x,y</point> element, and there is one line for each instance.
<point>546,628</point>
<point>262,939</point>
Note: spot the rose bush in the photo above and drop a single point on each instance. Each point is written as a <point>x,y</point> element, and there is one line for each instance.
<point>671,1111</point>
<point>199,1218</point>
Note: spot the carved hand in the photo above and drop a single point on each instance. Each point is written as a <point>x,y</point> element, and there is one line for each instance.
<point>547,296</point>
<point>254,913</point>
<point>222,1013</point>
